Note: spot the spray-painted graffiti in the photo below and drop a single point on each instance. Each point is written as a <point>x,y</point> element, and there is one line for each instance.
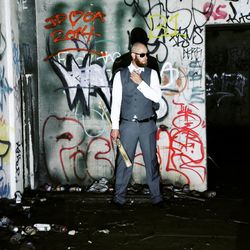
<point>4,184</point>
<point>76,139</point>
<point>16,59</point>
<point>81,82</point>
<point>211,10</point>
<point>237,17</point>
<point>226,85</point>
<point>79,32</point>
<point>192,53</point>
<point>5,89</point>
<point>18,158</point>
<point>70,153</point>
<point>170,28</point>
<point>23,4</point>
<point>180,149</point>
<point>2,44</point>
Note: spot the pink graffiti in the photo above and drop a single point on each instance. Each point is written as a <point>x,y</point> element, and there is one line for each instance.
<point>183,150</point>
<point>209,10</point>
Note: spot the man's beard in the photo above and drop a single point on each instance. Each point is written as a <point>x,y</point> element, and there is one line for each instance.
<point>139,63</point>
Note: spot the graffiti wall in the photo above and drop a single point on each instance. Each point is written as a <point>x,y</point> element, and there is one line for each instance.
<point>11,166</point>
<point>5,91</point>
<point>78,42</point>
<point>28,79</point>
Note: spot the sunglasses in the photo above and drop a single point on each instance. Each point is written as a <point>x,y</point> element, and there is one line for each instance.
<point>142,54</point>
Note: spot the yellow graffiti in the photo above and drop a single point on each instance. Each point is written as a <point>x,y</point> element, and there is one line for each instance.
<point>163,26</point>
<point>4,147</point>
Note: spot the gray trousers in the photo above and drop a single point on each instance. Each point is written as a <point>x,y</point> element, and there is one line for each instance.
<point>130,134</point>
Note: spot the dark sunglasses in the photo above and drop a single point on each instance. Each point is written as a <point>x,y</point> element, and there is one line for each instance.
<point>142,54</point>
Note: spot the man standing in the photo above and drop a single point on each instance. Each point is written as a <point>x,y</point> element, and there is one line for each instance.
<point>138,35</point>
<point>135,89</point>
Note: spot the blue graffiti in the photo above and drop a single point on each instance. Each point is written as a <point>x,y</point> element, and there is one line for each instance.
<point>4,88</point>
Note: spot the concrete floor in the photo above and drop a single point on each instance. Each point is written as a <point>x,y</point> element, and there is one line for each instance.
<point>88,221</point>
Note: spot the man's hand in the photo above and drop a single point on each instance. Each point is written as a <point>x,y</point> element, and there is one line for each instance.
<point>136,77</point>
<point>115,134</point>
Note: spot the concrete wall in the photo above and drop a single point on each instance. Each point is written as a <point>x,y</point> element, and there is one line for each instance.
<point>76,147</point>
<point>11,141</point>
<point>66,138</point>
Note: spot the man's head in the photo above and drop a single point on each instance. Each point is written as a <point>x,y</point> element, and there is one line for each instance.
<point>138,35</point>
<point>139,53</point>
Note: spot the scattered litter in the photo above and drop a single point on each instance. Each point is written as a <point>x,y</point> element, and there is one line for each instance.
<point>72,232</point>
<point>42,227</point>
<point>60,188</point>
<point>209,194</point>
<point>47,187</point>
<point>90,242</point>
<point>25,208</point>
<point>241,222</point>
<point>99,186</point>
<point>186,188</point>
<point>18,197</point>
<point>5,221</point>
<point>105,231</point>
<point>59,228</point>
<point>16,239</point>
<point>14,229</point>
<point>75,189</point>
<point>29,230</point>
<point>145,190</point>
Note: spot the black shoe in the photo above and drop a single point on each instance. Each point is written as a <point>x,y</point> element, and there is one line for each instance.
<point>117,205</point>
<point>160,204</point>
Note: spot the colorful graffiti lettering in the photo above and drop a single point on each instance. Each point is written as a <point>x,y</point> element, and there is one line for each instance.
<point>79,31</point>
<point>79,82</point>
<point>182,151</point>
<point>210,11</point>
<point>5,89</point>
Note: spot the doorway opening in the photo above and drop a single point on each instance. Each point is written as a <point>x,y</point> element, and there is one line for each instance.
<point>228,104</point>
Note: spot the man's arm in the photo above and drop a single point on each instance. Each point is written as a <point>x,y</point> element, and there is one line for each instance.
<point>151,91</point>
<point>116,105</point>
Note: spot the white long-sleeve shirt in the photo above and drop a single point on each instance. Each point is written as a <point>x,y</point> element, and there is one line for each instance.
<point>151,91</point>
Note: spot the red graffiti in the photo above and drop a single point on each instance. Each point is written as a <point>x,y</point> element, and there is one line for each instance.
<point>74,17</point>
<point>81,31</point>
<point>183,150</point>
<point>64,136</point>
<point>67,145</point>
<point>209,10</point>
<point>55,20</point>
<point>59,36</point>
<point>100,155</point>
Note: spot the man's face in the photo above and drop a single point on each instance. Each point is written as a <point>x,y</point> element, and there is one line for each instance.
<point>141,61</point>
<point>140,56</point>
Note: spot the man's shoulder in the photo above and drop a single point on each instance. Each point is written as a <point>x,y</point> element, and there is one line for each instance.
<point>121,62</point>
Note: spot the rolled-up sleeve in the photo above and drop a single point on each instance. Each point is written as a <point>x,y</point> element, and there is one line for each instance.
<point>153,90</point>
<point>116,101</point>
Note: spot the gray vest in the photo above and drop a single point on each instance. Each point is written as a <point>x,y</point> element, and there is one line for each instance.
<point>133,101</point>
